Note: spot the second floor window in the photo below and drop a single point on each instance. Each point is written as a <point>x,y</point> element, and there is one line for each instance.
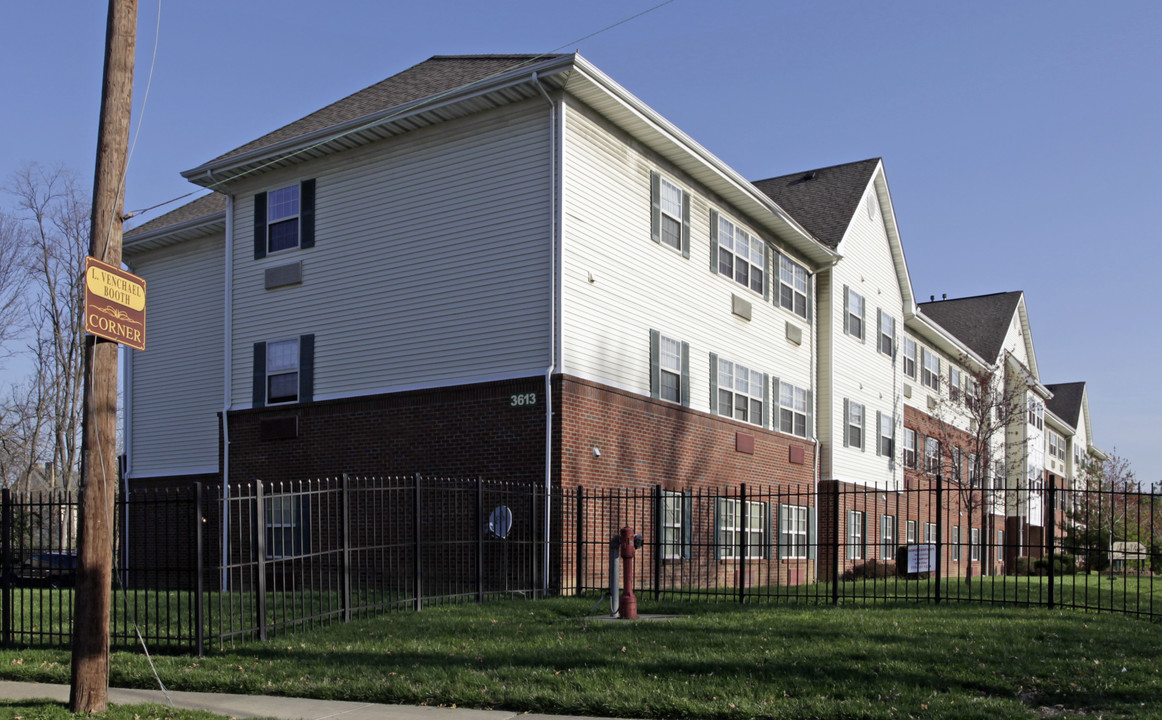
<point>740,392</point>
<point>931,370</point>
<point>741,255</point>
<point>792,286</point>
<point>282,371</point>
<point>792,409</point>
<point>853,313</point>
<point>910,357</point>
<point>282,218</point>
<point>909,448</point>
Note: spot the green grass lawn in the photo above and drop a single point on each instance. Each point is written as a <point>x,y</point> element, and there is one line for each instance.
<point>714,661</point>
<point>53,710</point>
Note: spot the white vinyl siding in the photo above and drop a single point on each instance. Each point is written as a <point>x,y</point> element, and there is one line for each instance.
<point>443,231</point>
<point>176,390</point>
<point>618,284</point>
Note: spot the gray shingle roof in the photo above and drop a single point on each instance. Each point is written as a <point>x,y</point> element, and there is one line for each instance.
<point>979,322</point>
<point>204,206</point>
<point>823,200</point>
<point>438,74</point>
<point>1066,401</point>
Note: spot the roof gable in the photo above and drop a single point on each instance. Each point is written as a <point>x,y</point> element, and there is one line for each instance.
<point>823,200</point>
<point>1066,401</point>
<point>203,207</point>
<point>980,322</point>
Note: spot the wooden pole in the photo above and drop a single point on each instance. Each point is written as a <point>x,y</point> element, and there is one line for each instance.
<point>89,689</point>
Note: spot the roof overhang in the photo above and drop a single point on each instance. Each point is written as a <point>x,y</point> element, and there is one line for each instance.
<point>945,341</point>
<point>174,234</point>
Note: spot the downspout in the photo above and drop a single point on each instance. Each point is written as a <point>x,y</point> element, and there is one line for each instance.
<point>554,245</point>
<point>227,356</point>
<point>814,369</point>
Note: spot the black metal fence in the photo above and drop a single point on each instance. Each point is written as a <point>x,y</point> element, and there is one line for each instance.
<point>202,566</point>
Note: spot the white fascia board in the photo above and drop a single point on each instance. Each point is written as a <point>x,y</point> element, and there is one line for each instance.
<point>1060,426</point>
<point>625,110</point>
<point>927,328</point>
<point>1034,384</point>
<point>1023,314</point>
<point>172,234</point>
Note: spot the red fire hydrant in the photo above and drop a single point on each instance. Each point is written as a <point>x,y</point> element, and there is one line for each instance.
<point>627,601</point>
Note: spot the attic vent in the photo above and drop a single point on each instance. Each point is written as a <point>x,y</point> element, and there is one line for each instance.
<point>871,205</point>
<point>806,177</point>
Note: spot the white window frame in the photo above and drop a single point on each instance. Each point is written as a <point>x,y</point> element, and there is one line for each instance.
<point>793,532</point>
<point>853,324</point>
<point>793,285</point>
<point>909,447</point>
<point>792,410</point>
<point>736,383</point>
<point>930,369</point>
<point>886,435</point>
<point>910,357</point>
<point>283,206</point>
<point>674,216</point>
<point>669,368</point>
<point>282,370</point>
<point>730,235</point>
<point>284,525</point>
<point>930,533</point>
<point>730,529</point>
<point>1036,413</point>
<point>931,455</point>
<point>954,391</point>
<point>673,531</point>
<point>955,542</point>
<point>855,424</point>
<point>855,530</point>
<point>887,339</point>
<point>910,530</point>
<point>887,537</point>
<point>974,541</point>
<point>973,475</point>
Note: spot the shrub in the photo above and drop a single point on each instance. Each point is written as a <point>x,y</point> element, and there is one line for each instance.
<point>1062,565</point>
<point>870,569</point>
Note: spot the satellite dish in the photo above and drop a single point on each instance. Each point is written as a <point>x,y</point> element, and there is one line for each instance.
<point>500,521</point>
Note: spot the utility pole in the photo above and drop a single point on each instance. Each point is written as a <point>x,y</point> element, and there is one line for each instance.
<point>89,690</point>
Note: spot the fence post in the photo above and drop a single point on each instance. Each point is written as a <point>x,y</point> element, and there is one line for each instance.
<point>659,531</point>
<point>479,539</point>
<point>260,551</point>
<point>417,549</point>
<point>580,539</point>
<point>939,534</point>
<point>835,535</point>
<point>742,542</point>
<point>1050,533</point>
<point>345,530</point>
<point>533,543</point>
<point>6,561</point>
<point>199,568</point>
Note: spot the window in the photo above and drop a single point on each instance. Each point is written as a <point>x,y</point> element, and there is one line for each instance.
<point>740,392</point>
<point>669,369</point>
<point>954,384</point>
<point>284,219</point>
<point>911,530</point>
<point>930,375</point>
<point>852,313</point>
<point>955,543</point>
<point>971,391</point>
<point>956,464</point>
<point>887,435</point>
<point>1056,446</point>
<point>1076,457</point>
<point>973,471</point>
<point>670,216</point>
<point>909,448</point>
<point>1036,413</point>
<point>676,515</point>
<point>1000,538</point>
<point>741,255</point>
<point>730,529</point>
<point>853,424</point>
<point>284,371</point>
<point>929,532</point>
<point>792,410</point>
<point>854,535</point>
<point>910,357</point>
<point>888,537</point>
<point>793,286</point>
<point>792,532</point>
<point>286,525</point>
<point>974,541</point>
<point>887,336</point>
<point>931,455</point>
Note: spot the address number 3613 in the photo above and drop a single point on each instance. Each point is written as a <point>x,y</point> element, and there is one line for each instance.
<point>522,400</point>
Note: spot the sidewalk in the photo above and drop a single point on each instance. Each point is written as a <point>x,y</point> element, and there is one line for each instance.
<point>250,706</point>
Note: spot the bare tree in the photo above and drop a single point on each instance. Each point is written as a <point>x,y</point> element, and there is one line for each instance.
<point>13,281</point>
<point>974,423</point>
<point>55,226</point>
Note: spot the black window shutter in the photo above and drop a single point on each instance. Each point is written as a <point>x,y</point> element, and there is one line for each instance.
<point>767,400</point>
<point>879,419</point>
<point>713,383</point>
<point>714,241</point>
<point>685,224</point>
<point>846,321</point>
<point>687,523</point>
<point>302,535</point>
<point>306,368</point>
<point>846,421</point>
<point>810,416</point>
<point>259,397</point>
<point>812,537</point>
<point>685,374</point>
<point>769,533</point>
<point>655,364</point>
<point>810,295</point>
<point>656,207</point>
<point>307,213</point>
<point>768,277</point>
<point>260,225</point>
<point>718,534</point>
<point>777,406</point>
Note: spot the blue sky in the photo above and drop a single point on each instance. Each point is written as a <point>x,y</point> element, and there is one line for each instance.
<point>1022,141</point>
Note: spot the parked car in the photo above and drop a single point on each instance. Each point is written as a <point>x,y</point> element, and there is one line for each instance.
<point>49,569</point>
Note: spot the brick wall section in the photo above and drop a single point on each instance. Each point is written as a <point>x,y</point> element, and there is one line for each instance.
<point>645,442</point>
